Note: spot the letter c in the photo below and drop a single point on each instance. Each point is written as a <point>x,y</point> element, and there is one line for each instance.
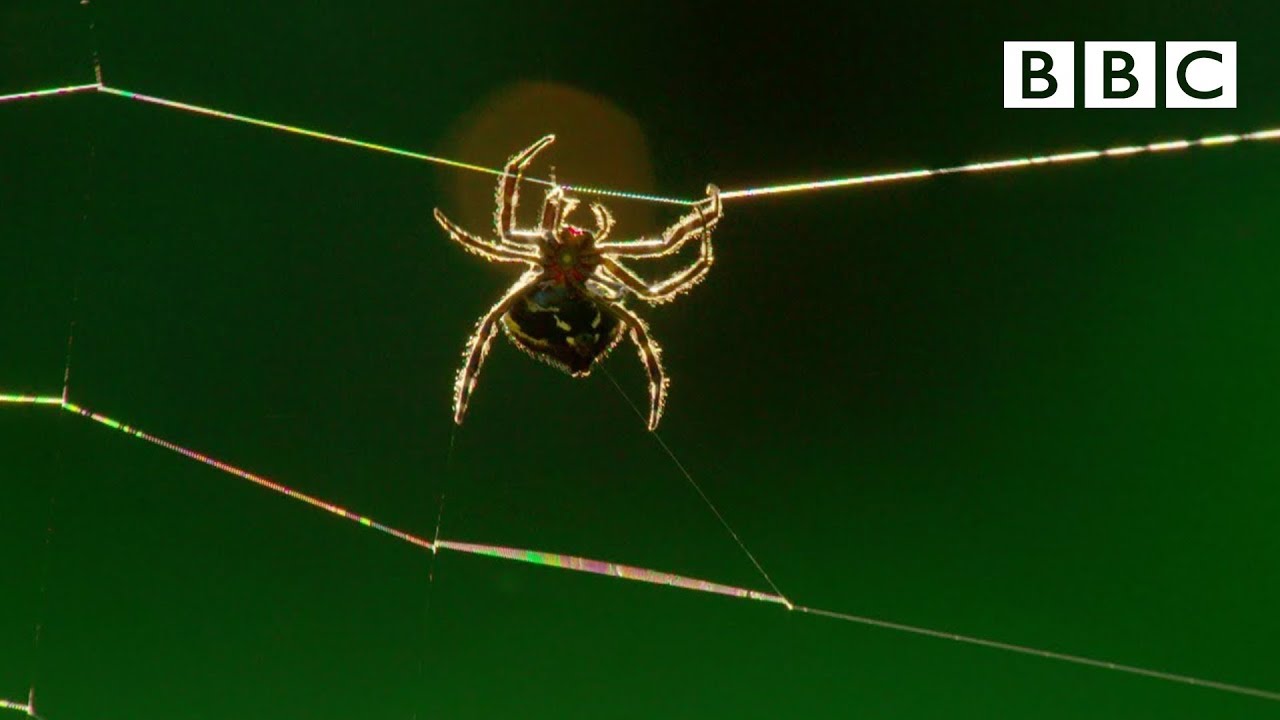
<point>1182,75</point>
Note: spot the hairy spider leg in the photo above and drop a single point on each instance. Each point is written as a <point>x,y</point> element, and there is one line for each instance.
<point>604,221</point>
<point>508,194</point>
<point>669,288</point>
<point>673,238</point>
<point>495,252</point>
<point>605,285</point>
<point>480,341</point>
<point>650,355</point>
<point>555,208</point>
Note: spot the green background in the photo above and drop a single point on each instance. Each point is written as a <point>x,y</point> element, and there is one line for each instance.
<point>1038,406</point>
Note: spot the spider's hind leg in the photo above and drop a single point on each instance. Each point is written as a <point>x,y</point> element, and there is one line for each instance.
<point>480,341</point>
<point>651,356</point>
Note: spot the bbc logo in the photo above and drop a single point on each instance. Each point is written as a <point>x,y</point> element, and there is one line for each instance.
<point>1120,74</point>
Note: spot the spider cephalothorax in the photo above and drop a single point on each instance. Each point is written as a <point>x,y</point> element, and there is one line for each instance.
<point>567,309</point>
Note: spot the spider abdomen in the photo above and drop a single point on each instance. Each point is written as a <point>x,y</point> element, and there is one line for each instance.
<point>560,325</point>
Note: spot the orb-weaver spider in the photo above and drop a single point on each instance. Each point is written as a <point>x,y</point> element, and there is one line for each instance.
<point>567,308</point>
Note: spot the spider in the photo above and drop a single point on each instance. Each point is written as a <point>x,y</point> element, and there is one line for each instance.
<point>567,309</point>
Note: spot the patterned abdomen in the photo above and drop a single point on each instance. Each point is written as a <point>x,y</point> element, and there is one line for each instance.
<point>557,324</point>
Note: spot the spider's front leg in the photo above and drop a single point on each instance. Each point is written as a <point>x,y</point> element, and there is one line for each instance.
<point>701,221</point>
<point>508,194</point>
<point>479,342</point>
<point>604,221</point>
<point>666,289</point>
<point>651,356</point>
<point>681,281</point>
<point>556,206</point>
<point>501,251</point>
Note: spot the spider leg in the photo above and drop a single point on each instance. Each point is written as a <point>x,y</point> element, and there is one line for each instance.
<point>604,221</point>
<point>604,285</point>
<point>479,342</point>
<point>508,194</point>
<point>555,208</point>
<point>701,221</point>
<point>668,288</point>
<point>650,355</point>
<point>501,251</point>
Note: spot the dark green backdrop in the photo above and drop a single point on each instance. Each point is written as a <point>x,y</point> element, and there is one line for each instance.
<point>1039,406</point>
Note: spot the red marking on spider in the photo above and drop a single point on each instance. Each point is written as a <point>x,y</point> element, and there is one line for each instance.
<point>562,274</point>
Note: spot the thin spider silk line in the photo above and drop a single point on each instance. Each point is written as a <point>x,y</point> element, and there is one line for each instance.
<point>1046,654</point>
<point>1000,165</point>
<point>246,475</point>
<point>243,474</point>
<point>582,189</point>
<point>600,567</point>
<point>728,195</point>
<point>31,94</point>
<point>628,572</point>
<point>705,498</point>
<point>29,400</point>
<point>28,708</point>
<point>210,112</point>
<point>942,634</point>
<point>568,562</point>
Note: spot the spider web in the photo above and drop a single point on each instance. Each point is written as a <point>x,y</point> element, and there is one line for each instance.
<point>64,402</point>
